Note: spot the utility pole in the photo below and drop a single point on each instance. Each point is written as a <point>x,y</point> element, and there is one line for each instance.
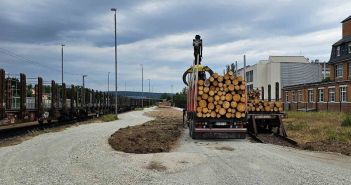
<point>149,93</point>
<point>142,86</point>
<point>236,68</point>
<point>62,63</point>
<point>83,90</point>
<point>116,99</point>
<point>245,68</point>
<point>108,87</point>
<point>63,101</point>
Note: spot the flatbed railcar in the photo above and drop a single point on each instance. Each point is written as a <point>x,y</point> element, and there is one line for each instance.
<point>39,101</point>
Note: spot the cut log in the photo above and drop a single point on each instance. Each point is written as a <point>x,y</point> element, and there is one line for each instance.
<point>228,97</point>
<point>211,106</point>
<point>226,104</point>
<point>200,82</point>
<point>203,103</point>
<point>222,111</point>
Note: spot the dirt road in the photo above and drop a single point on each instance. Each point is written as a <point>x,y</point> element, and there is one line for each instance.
<point>81,155</point>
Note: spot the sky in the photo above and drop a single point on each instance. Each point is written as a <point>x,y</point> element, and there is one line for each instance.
<point>158,35</point>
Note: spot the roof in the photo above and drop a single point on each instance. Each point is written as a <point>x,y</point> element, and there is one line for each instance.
<point>263,61</point>
<point>347,19</point>
<point>313,84</point>
<point>343,40</point>
<point>278,59</point>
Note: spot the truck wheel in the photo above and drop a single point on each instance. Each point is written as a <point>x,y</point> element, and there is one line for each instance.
<point>192,131</point>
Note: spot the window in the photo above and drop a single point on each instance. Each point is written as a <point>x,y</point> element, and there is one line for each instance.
<point>338,70</point>
<point>249,87</point>
<point>249,76</point>
<point>286,96</point>
<point>343,94</point>
<point>321,95</point>
<point>332,94</point>
<point>349,47</point>
<point>349,69</point>
<point>338,51</point>
<point>293,94</point>
<point>300,95</point>
<point>310,95</point>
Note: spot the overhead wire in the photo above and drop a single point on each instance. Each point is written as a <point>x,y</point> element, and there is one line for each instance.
<point>28,60</point>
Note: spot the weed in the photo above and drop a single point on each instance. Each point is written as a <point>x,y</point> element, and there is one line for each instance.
<point>346,122</point>
<point>109,117</point>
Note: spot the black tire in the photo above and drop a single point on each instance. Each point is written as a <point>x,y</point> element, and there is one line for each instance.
<point>193,135</point>
<point>49,121</point>
<point>41,122</point>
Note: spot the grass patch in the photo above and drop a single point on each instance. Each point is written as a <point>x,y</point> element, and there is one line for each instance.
<point>109,117</point>
<point>346,122</point>
<point>318,126</point>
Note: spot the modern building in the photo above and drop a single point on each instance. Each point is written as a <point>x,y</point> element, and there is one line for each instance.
<point>334,95</point>
<point>286,70</point>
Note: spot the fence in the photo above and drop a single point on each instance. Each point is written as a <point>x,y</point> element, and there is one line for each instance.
<point>318,106</point>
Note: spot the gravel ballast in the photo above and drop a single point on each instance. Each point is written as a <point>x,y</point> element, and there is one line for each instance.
<point>82,155</point>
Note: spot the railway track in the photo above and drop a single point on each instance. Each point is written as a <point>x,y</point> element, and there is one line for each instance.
<point>23,130</point>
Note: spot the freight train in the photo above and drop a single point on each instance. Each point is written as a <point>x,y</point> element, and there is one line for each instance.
<point>24,100</point>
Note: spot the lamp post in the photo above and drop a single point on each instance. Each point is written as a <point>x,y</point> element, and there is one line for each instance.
<point>63,101</point>
<point>149,93</point>
<point>116,100</point>
<point>108,88</point>
<point>62,63</point>
<point>142,86</point>
<point>83,90</point>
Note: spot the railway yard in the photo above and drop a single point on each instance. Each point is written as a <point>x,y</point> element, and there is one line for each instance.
<point>82,155</point>
<point>207,117</point>
<point>224,134</point>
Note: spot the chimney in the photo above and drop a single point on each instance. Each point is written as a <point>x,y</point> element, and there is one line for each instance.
<point>346,27</point>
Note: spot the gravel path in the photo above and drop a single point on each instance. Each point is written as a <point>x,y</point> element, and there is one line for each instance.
<point>81,155</point>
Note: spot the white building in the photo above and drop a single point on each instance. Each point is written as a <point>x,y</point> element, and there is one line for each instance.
<point>286,70</point>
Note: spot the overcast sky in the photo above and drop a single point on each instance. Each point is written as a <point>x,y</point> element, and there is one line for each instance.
<point>158,34</point>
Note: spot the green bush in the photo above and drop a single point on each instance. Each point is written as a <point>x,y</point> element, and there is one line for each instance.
<point>346,122</point>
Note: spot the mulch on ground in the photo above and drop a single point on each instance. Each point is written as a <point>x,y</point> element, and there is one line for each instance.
<point>329,146</point>
<point>159,135</point>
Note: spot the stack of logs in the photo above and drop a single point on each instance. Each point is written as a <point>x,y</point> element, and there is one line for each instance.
<point>257,105</point>
<point>221,97</point>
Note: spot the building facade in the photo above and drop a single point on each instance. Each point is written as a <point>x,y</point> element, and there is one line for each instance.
<point>285,70</point>
<point>332,95</point>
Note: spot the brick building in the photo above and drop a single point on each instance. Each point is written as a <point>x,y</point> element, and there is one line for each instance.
<point>334,95</point>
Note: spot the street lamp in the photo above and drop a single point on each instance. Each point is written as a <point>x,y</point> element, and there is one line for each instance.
<point>62,63</point>
<point>142,86</point>
<point>63,101</point>
<point>149,93</point>
<point>108,87</point>
<point>83,90</point>
<point>116,100</point>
